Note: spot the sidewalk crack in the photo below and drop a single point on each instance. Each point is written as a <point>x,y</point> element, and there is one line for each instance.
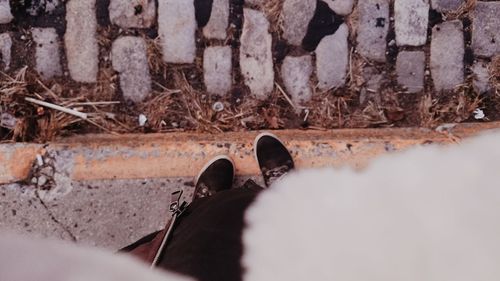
<point>54,219</point>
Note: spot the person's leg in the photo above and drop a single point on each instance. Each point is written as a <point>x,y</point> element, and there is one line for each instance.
<point>206,242</point>
<point>215,176</point>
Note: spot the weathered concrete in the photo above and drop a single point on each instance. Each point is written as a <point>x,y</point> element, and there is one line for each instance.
<point>373,29</point>
<point>410,70</point>
<point>132,13</point>
<point>296,73</point>
<point>95,157</point>
<point>218,22</point>
<point>256,58</point>
<point>177,26</point>
<point>340,7</point>
<point>485,29</point>
<point>139,173</point>
<point>217,68</point>
<point>447,55</point>
<point>332,56</point>
<point>481,80</point>
<point>5,13</point>
<point>6,49</point>
<point>446,5</point>
<point>48,57</point>
<point>129,58</point>
<point>296,17</point>
<point>80,40</point>
<point>411,20</point>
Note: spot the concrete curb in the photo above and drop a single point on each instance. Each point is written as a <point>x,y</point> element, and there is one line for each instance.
<point>101,157</point>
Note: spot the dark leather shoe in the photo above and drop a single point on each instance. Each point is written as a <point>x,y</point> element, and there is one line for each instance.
<point>273,157</point>
<point>217,175</point>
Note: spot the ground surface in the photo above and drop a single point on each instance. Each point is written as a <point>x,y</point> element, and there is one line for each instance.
<point>157,66</point>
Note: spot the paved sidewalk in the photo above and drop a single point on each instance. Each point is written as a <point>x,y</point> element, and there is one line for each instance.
<point>108,191</point>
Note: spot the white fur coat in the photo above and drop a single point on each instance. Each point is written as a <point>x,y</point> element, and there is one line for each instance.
<point>431,213</point>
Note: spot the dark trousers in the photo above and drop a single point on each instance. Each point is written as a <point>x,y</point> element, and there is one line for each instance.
<point>206,242</point>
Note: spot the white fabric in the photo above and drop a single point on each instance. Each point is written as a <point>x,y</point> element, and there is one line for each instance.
<point>431,213</point>
<point>28,259</point>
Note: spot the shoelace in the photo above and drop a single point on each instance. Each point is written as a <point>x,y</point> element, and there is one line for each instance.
<point>204,191</point>
<point>275,174</point>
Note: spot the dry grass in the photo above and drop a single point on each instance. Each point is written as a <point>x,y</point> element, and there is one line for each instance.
<point>464,10</point>
<point>272,9</point>
<point>494,70</point>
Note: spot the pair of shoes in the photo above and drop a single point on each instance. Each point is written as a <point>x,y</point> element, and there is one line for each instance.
<point>218,174</point>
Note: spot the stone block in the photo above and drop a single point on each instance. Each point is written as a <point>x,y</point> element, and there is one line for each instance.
<point>332,56</point>
<point>132,13</point>
<point>217,68</point>
<point>373,28</point>
<point>410,70</point>
<point>447,55</point>
<point>411,20</point>
<point>296,17</point>
<point>48,57</point>
<point>296,73</point>
<point>486,29</point>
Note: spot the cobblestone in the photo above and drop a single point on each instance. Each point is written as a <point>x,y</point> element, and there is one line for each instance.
<point>410,68</point>
<point>80,40</point>
<point>485,29</point>
<point>332,59</point>
<point>447,54</point>
<point>296,73</point>
<point>481,81</point>
<point>41,7</point>
<point>446,5</point>
<point>340,7</point>
<point>48,62</point>
<point>5,13</point>
<point>129,58</point>
<point>373,29</point>
<point>219,19</point>
<point>217,67</point>
<point>5,49</point>
<point>177,27</point>
<point>256,59</point>
<point>132,13</point>
<point>296,17</point>
<point>411,20</point>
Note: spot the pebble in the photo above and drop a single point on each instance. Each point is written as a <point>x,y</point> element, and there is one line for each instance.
<point>481,82</point>
<point>485,29</point>
<point>218,106</point>
<point>48,61</point>
<point>6,49</point>
<point>340,7</point>
<point>410,70</point>
<point>5,13</point>
<point>332,56</point>
<point>7,121</point>
<point>296,17</point>
<point>132,13</point>
<point>373,29</point>
<point>217,68</point>
<point>256,59</point>
<point>296,73</point>
<point>82,50</point>
<point>446,5</point>
<point>177,26</point>
<point>219,19</point>
<point>129,58</point>
<point>447,55</point>
<point>411,20</point>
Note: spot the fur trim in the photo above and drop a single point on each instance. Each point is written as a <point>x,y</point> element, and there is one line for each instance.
<point>29,259</point>
<point>430,213</point>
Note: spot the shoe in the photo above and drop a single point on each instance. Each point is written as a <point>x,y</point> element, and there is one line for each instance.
<point>216,175</point>
<point>273,157</point>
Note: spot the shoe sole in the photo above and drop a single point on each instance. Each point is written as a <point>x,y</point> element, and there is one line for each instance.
<point>258,137</point>
<point>219,157</point>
